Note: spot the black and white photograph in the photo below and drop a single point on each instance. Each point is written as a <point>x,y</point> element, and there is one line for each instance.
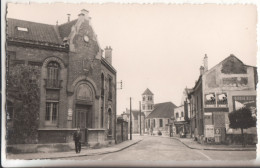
<point>129,84</point>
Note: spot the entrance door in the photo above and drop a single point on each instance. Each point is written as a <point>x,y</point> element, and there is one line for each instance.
<point>81,121</point>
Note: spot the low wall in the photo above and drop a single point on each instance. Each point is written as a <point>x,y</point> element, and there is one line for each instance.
<point>40,148</point>
<point>59,135</point>
<point>250,139</point>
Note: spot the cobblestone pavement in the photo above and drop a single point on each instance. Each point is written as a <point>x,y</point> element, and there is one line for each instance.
<point>167,149</point>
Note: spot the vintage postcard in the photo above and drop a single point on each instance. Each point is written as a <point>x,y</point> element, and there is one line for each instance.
<point>129,84</point>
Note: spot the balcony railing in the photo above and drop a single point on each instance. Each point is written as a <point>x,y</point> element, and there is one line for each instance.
<point>52,83</point>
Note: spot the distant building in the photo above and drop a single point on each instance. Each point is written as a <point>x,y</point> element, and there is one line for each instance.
<point>160,117</point>
<point>147,102</point>
<point>135,121</point>
<point>182,115</point>
<point>220,90</point>
<point>58,80</point>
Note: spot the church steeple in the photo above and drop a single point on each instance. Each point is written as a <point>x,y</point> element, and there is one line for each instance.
<point>147,102</point>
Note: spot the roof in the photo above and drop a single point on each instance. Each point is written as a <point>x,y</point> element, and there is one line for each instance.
<point>147,92</point>
<point>162,110</point>
<point>135,113</point>
<point>37,32</point>
<point>65,29</point>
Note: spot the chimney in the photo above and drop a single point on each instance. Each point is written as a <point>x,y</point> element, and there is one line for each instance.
<point>205,63</point>
<point>68,17</point>
<point>84,13</point>
<point>201,70</point>
<point>108,54</point>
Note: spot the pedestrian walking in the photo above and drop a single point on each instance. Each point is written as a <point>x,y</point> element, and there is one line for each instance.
<point>77,139</point>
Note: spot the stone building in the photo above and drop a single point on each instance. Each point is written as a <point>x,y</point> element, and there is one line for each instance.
<point>57,80</point>
<point>135,121</point>
<point>222,89</point>
<point>160,118</point>
<point>147,102</point>
<point>182,115</point>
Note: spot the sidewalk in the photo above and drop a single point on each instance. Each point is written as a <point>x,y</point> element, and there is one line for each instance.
<point>190,143</point>
<point>84,152</point>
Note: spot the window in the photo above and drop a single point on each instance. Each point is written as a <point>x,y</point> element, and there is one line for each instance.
<point>168,121</point>
<point>144,98</point>
<point>10,111</point>
<point>143,107</point>
<point>148,123</point>
<point>153,122</point>
<point>109,122</point>
<point>151,98</point>
<point>181,114</point>
<point>110,88</point>
<point>161,122</point>
<point>102,113</point>
<point>51,115</point>
<point>53,70</point>
<point>102,84</point>
<point>177,115</point>
<point>24,29</point>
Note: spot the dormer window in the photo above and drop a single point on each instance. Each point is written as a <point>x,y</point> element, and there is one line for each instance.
<point>24,29</point>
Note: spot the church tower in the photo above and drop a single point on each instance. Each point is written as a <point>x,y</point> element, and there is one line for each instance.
<point>147,102</point>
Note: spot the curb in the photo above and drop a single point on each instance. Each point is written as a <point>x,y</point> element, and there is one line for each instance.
<point>216,149</point>
<point>93,154</point>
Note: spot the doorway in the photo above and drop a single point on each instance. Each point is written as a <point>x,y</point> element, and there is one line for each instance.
<point>83,120</point>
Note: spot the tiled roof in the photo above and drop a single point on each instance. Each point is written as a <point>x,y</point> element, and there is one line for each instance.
<point>37,32</point>
<point>65,28</point>
<point>162,110</point>
<point>135,113</point>
<point>147,92</point>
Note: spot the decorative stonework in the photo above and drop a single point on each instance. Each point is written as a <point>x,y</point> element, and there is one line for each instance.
<point>47,60</point>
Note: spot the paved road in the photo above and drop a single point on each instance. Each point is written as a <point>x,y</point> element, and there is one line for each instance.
<point>166,149</point>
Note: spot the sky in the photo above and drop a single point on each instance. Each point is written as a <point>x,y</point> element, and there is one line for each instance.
<point>162,46</point>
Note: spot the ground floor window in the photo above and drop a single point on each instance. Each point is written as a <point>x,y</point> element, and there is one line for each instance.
<point>51,115</point>
<point>109,122</point>
<point>10,111</point>
<point>153,122</point>
<point>161,122</point>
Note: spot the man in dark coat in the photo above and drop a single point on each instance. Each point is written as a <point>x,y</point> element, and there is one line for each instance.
<point>77,139</point>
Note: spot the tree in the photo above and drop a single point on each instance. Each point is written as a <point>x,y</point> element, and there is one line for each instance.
<point>243,119</point>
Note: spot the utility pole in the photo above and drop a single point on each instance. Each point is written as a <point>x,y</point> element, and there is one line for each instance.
<point>140,118</point>
<point>130,118</point>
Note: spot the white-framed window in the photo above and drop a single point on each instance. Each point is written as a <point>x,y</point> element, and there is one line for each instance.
<point>51,115</point>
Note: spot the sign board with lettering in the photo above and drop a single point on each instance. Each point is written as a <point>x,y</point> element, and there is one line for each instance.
<point>209,131</point>
<point>245,101</point>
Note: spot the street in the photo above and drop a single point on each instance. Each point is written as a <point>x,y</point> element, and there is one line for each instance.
<point>166,149</point>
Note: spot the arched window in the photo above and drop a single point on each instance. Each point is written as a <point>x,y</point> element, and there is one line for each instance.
<point>109,122</point>
<point>53,72</point>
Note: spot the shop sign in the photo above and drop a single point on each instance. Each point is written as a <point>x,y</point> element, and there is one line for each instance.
<point>209,131</point>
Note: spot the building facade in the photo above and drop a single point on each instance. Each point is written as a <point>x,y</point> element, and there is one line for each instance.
<point>224,88</point>
<point>137,125</point>
<point>147,102</point>
<point>160,118</point>
<point>59,80</point>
